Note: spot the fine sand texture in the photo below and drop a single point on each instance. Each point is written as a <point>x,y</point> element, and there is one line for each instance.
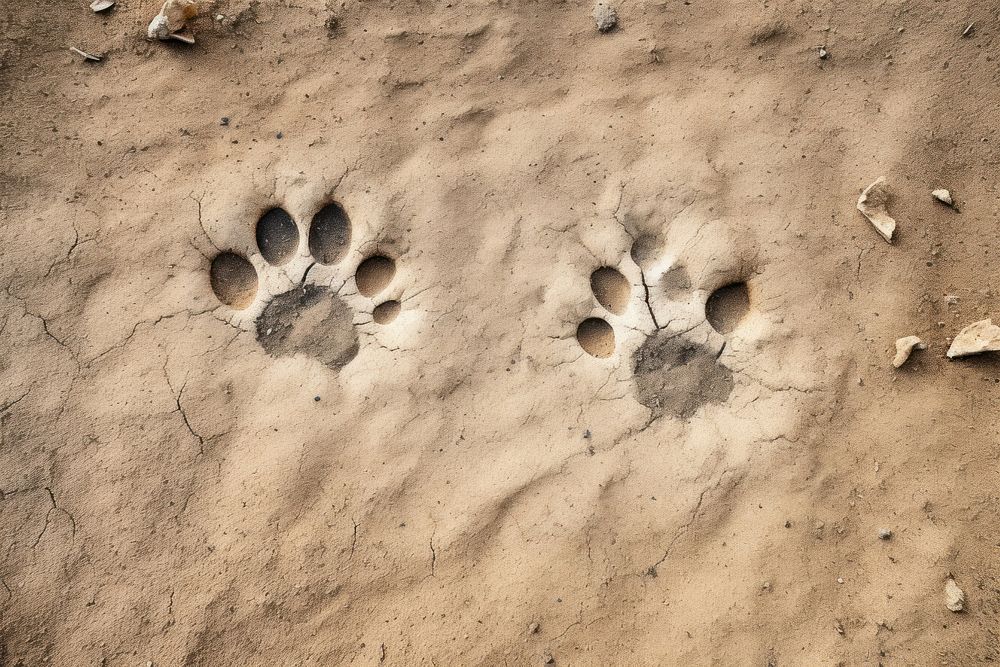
<point>426,333</point>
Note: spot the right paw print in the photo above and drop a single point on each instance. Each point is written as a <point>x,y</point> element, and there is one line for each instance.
<point>691,306</point>
<point>289,287</point>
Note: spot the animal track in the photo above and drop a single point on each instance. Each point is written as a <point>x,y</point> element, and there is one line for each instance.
<point>676,368</point>
<point>310,318</point>
<point>727,306</point>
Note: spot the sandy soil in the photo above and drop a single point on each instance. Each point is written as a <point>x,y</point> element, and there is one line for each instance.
<point>458,401</point>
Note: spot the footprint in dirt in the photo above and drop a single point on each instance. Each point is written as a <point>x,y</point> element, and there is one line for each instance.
<point>677,368</point>
<point>310,318</point>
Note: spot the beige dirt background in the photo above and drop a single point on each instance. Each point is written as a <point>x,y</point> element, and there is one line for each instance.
<point>472,488</point>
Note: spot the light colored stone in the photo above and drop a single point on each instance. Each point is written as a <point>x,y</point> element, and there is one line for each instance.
<point>904,347</point>
<point>943,196</point>
<point>872,203</point>
<point>954,598</point>
<point>102,5</point>
<point>978,337</point>
<point>605,16</point>
<point>172,17</point>
<point>884,534</point>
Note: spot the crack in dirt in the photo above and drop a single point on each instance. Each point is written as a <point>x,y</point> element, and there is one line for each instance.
<point>652,570</point>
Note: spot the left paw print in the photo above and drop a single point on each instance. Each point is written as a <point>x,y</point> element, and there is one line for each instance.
<point>307,314</point>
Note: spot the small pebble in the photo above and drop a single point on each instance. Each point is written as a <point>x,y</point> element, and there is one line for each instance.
<point>943,196</point>
<point>316,398</point>
<point>533,629</point>
<point>224,121</point>
<point>884,533</point>
<point>954,597</point>
<point>605,16</point>
<point>840,580</point>
<point>823,53</point>
<point>279,135</point>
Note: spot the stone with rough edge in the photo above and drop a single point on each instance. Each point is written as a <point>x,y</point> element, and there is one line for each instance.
<point>605,16</point>
<point>904,347</point>
<point>872,203</point>
<point>978,337</point>
<point>172,17</point>
<point>943,196</point>
<point>954,597</point>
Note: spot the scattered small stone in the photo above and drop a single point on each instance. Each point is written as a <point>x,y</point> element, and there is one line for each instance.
<point>766,586</point>
<point>605,16</point>
<point>839,627</point>
<point>968,31</point>
<point>943,196</point>
<point>840,580</point>
<point>533,629</point>
<point>224,121</point>
<point>951,299</point>
<point>978,337</point>
<point>172,17</point>
<point>86,56</point>
<point>788,524</point>
<point>823,53</point>
<point>316,398</point>
<point>904,347</point>
<point>101,5</point>
<point>884,534</point>
<point>954,597</point>
<point>872,204</point>
<point>279,135</point>
<point>549,660</point>
<point>586,434</point>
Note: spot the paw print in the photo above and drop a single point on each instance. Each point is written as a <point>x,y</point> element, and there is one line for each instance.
<point>289,288</point>
<point>682,321</point>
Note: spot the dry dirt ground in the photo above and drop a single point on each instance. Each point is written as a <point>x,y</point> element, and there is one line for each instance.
<point>458,401</point>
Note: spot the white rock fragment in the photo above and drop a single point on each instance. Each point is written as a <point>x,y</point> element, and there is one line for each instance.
<point>951,299</point>
<point>101,5</point>
<point>884,534</point>
<point>943,196</point>
<point>904,347</point>
<point>872,203</point>
<point>171,19</point>
<point>954,598</point>
<point>978,337</point>
<point>605,16</point>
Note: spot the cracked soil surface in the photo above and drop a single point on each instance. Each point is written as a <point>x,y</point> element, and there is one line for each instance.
<point>413,461</point>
